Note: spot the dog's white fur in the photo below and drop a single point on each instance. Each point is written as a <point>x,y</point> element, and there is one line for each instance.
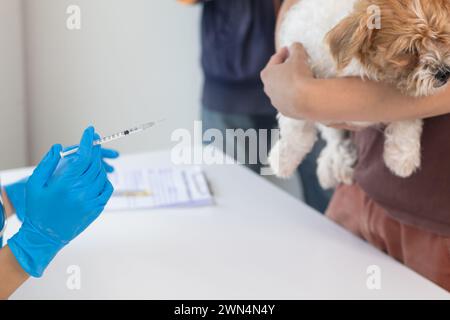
<point>308,22</point>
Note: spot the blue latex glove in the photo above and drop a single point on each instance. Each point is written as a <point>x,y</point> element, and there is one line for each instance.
<point>16,191</point>
<point>62,199</point>
<point>108,154</point>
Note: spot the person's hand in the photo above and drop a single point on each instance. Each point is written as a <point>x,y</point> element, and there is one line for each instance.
<point>62,199</point>
<point>108,154</point>
<point>286,77</point>
<point>105,154</point>
<point>15,192</point>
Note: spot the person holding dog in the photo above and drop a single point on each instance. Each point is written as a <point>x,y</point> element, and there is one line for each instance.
<point>408,218</point>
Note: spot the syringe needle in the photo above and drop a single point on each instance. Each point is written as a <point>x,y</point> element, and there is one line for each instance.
<point>115,136</point>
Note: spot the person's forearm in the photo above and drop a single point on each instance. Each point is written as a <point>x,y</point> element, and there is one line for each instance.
<point>287,4</point>
<point>12,276</point>
<point>351,99</point>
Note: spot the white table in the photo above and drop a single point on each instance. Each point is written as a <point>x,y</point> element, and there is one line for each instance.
<point>256,243</point>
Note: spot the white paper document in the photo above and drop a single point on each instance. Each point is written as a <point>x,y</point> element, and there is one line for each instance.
<point>146,188</point>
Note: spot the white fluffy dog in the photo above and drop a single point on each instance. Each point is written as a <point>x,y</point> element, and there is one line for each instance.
<point>411,51</point>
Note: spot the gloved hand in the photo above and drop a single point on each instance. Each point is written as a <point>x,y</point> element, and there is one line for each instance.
<point>108,154</point>
<point>16,191</point>
<point>62,199</point>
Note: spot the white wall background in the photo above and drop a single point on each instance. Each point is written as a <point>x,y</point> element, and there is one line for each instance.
<point>132,61</point>
<point>12,99</point>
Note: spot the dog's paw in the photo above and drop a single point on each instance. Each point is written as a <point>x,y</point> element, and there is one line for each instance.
<point>402,147</point>
<point>336,165</point>
<point>403,160</point>
<point>326,177</point>
<point>280,161</point>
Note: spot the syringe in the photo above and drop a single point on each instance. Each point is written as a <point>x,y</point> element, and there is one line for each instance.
<point>115,136</point>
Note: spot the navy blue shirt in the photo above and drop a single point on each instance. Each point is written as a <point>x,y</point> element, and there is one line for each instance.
<point>237,42</point>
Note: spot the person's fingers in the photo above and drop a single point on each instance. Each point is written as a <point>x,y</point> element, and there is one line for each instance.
<point>95,166</point>
<point>84,152</point>
<point>47,166</point>
<point>97,186</point>
<point>299,60</point>
<point>108,168</point>
<point>298,54</point>
<point>109,153</point>
<point>105,194</point>
<point>279,57</point>
<point>297,50</point>
<point>85,147</point>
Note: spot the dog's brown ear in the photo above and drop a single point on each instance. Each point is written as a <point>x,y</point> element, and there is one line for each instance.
<point>349,39</point>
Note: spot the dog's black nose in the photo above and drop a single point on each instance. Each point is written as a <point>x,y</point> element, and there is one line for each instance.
<point>443,75</point>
